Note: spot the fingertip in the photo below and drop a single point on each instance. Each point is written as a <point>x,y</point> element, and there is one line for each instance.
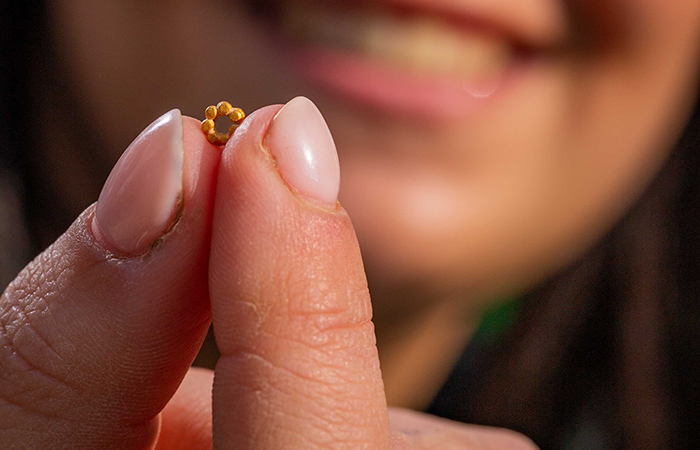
<point>139,201</point>
<point>251,133</point>
<point>304,151</point>
<point>201,158</point>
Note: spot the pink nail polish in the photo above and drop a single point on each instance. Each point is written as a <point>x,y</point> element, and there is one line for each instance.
<point>304,150</point>
<point>139,201</point>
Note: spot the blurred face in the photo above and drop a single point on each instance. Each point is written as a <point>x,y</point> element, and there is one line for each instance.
<point>484,143</point>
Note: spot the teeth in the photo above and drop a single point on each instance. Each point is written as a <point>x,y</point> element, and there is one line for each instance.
<point>424,45</point>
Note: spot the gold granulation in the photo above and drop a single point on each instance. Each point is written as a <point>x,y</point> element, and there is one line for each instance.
<point>223,109</point>
<point>211,112</point>
<point>208,126</point>
<point>236,115</point>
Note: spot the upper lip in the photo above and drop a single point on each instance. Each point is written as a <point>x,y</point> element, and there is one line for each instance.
<point>532,24</point>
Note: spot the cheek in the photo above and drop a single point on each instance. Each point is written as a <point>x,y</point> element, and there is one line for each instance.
<point>628,102</point>
<point>537,180</point>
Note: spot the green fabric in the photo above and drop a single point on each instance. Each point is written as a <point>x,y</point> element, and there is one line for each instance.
<point>497,319</point>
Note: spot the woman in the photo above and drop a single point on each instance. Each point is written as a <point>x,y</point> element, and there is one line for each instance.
<point>487,149</point>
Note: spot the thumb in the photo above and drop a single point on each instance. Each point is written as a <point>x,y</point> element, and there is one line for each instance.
<point>97,333</point>
<point>291,309</point>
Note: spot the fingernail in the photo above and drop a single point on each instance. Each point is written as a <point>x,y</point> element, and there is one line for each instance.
<point>139,201</point>
<point>304,150</point>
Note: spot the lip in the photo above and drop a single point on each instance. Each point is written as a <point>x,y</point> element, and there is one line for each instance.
<point>357,78</point>
<point>530,23</point>
<point>381,87</point>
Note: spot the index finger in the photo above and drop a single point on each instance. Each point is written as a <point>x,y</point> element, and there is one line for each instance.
<point>291,309</point>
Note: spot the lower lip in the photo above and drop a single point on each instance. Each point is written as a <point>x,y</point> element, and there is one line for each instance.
<point>380,86</point>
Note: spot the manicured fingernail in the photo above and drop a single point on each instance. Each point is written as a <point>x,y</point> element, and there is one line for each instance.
<point>304,150</point>
<point>139,201</point>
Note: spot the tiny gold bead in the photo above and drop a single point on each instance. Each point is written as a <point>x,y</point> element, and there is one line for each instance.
<point>213,138</point>
<point>209,126</point>
<point>224,108</point>
<point>236,115</point>
<point>211,112</point>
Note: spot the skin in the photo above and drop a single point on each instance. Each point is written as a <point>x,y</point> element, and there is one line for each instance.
<point>104,341</point>
<point>596,121</point>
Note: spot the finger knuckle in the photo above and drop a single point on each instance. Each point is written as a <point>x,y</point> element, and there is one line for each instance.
<point>309,396</point>
<point>327,304</point>
<point>31,365</point>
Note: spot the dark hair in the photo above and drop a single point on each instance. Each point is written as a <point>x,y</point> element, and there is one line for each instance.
<point>611,345</point>
<point>15,45</point>
<point>34,90</point>
<point>613,340</point>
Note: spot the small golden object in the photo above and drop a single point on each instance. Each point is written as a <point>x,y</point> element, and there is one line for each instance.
<point>235,115</point>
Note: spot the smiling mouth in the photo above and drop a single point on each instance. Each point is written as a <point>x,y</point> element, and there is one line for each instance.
<point>392,55</point>
<point>423,45</point>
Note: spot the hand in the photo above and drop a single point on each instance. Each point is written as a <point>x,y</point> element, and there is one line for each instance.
<point>99,331</point>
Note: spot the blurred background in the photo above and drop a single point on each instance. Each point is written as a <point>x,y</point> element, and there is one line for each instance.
<point>523,176</point>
